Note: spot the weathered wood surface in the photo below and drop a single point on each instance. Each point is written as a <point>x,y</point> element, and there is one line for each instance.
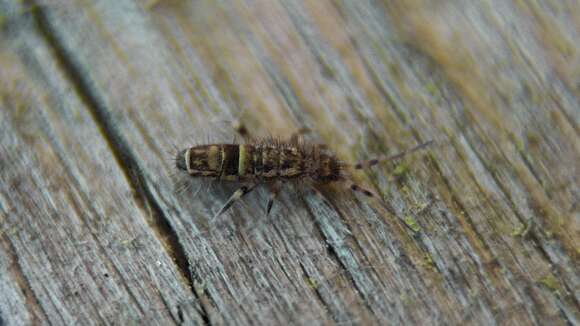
<point>93,94</point>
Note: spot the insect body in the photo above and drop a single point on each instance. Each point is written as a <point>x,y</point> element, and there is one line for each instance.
<point>271,162</point>
<point>262,162</point>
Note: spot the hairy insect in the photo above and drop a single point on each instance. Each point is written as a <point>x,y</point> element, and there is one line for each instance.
<point>273,162</point>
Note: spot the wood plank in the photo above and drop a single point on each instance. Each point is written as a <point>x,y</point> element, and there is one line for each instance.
<point>72,251</point>
<point>486,224</point>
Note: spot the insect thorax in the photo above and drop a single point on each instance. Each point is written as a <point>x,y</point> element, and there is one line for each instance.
<point>267,161</point>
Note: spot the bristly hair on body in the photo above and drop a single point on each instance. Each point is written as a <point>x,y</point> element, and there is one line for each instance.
<point>272,162</point>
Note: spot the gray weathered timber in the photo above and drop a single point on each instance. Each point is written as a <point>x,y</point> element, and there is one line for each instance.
<point>95,95</point>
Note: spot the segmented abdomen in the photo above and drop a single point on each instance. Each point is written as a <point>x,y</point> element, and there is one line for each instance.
<point>233,162</point>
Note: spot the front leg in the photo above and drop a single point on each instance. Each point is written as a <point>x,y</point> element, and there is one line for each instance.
<point>238,194</point>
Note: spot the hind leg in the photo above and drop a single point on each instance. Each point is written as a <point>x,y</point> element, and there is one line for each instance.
<point>369,193</point>
<point>369,163</point>
<point>365,191</point>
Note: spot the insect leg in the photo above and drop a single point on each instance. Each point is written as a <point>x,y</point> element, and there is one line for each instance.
<point>365,191</point>
<point>367,164</point>
<point>241,192</point>
<point>274,191</point>
<point>241,129</point>
<point>298,134</point>
<point>297,137</point>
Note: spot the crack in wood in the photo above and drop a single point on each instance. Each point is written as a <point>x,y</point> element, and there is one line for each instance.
<point>122,153</point>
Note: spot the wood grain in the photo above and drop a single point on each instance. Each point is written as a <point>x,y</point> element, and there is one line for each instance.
<point>485,230</point>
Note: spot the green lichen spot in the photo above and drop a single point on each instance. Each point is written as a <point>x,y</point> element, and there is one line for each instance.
<point>401,170</point>
<point>550,282</point>
<point>311,283</point>
<point>518,231</point>
<point>432,89</point>
<point>428,261</point>
<point>412,224</point>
